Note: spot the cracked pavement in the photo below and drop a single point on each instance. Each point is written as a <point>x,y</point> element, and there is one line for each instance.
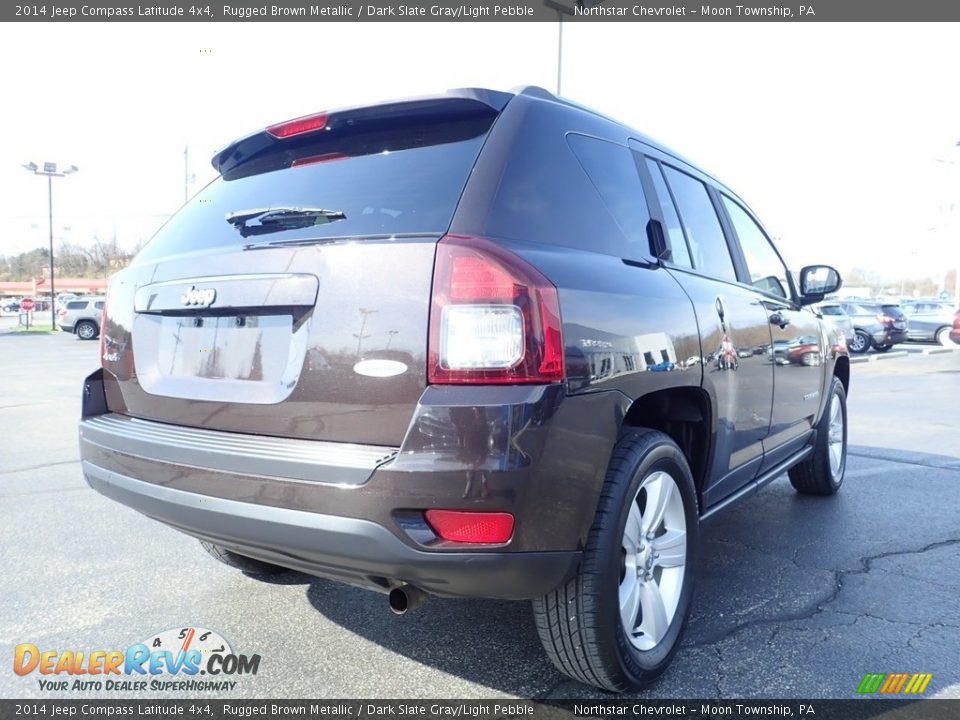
<point>797,596</point>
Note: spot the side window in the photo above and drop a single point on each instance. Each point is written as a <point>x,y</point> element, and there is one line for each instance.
<point>708,248</point>
<point>98,304</point>
<point>76,305</point>
<point>678,244</point>
<point>613,172</point>
<point>767,272</point>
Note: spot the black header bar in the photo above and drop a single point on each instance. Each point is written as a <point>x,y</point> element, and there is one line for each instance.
<point>485,11</point>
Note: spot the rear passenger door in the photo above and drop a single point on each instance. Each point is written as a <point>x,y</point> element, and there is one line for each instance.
<point>734,333</point>
<point>798,345</point>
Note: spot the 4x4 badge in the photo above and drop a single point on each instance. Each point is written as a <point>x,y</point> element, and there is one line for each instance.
<point>199,298</point>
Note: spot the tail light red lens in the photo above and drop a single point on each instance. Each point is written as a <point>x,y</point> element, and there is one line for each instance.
<point>103,329</point>
<point>298,126</point>
<point>494,319</point>
<point>488,528</point>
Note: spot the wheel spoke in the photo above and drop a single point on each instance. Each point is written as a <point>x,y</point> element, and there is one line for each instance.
<point>654,622</point>
<point>633,531</point>
<point>671,549</point>
<point>659,490</point>
<point>629,601</point>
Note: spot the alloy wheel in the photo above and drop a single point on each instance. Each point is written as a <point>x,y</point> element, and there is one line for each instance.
<point>654,555</point>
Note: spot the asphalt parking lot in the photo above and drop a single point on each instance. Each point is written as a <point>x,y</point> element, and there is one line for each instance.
<point>797,597</point>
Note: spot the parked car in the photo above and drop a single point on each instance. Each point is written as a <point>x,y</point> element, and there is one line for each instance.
<point>876,325</point>
<point>835,313</point>
<point>64,298</point>
<point>82,317</point>
<point>10,305</point>
<point>955,332</point>
<point>930,320</point>
<point>517,274</point>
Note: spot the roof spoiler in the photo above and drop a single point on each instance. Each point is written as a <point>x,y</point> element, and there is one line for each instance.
<point>459,103</point>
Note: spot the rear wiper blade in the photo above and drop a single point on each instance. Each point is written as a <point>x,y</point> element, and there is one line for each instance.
<point>277,219</point>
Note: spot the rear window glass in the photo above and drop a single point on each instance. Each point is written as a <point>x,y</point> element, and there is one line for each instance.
<point>398,182</point>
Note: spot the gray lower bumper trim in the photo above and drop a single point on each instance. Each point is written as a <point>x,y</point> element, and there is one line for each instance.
<point>290,458</point>
<point>349,549</point>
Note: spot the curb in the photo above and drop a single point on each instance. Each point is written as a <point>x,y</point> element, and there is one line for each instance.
<point>901,353</point>
<point>894,354</point>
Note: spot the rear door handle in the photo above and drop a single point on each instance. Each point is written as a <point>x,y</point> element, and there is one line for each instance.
<point>779,320</point>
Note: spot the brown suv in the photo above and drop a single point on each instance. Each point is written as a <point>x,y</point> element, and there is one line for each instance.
<point>479,344</point>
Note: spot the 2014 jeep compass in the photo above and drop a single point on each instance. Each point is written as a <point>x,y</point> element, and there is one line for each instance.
<point>480,344</point>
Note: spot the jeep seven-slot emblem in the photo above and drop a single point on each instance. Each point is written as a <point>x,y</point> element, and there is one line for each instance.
<point>199,298</point>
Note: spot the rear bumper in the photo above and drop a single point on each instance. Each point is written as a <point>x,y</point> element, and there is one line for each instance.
<point>890,337</point>
<point>355,512</point>
<point>352,550</point>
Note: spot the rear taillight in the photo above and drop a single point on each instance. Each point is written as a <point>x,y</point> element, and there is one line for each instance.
<point>471,527</point>
<point>298,126</point>
<point>494,319</point>
<point>103,330</point>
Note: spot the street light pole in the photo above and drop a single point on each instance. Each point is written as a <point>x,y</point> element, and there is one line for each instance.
<point>53,292</point>
<point>50,170</point>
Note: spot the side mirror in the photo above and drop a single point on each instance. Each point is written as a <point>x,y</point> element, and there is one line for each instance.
<point>816,281</point>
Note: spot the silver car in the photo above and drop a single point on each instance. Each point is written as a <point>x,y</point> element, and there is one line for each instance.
<point>82,316</point>
<point>930,320</point>
<point>838,316</point>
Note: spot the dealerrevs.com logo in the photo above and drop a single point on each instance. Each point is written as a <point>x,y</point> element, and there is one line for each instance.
<point>173,660</point>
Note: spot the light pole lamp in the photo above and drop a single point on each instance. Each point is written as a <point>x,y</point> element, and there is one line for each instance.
<point>51,171</point>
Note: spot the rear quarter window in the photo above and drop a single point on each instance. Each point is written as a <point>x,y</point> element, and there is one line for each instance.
<point>76,305</point>
<point>613,172</point>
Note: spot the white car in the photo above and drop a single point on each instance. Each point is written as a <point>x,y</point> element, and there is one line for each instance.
<point>82,316</point>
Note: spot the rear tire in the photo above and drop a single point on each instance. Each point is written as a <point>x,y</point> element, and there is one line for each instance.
<point>87,330</point>
<point>943,337</point>
<point>248,565</point>
<point>821,473</point>
<point>882,348</point>
<point>861,342</point>
<point>617,623</point>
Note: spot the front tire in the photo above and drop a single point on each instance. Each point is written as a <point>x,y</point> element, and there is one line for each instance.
<point>821,473</point>
<point>617,623</point>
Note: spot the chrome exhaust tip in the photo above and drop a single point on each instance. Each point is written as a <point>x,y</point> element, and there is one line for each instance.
<point>405,598</point>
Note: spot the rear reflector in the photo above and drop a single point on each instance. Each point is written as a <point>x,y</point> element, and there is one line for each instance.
<point>471,527</point>
<point>298,126</point>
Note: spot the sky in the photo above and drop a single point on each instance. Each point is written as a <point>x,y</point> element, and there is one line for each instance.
<point>842,137</point>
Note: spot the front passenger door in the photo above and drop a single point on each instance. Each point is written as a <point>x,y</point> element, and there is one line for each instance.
<point>797,351</point>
